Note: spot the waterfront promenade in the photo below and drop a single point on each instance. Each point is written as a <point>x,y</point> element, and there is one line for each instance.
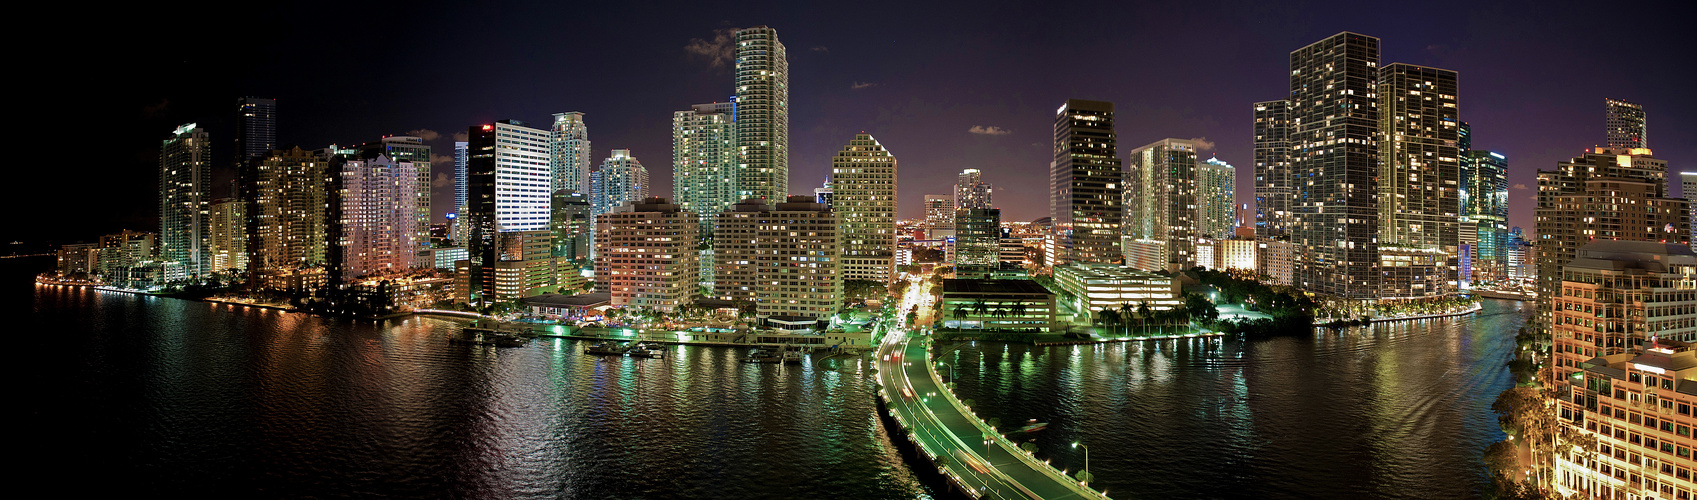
<point>975,459</point>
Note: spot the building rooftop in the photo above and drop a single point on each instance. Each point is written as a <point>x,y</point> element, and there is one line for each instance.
<point>557,300</point>
<point>982,286</point>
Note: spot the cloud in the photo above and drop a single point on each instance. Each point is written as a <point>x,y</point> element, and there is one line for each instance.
<point>1202,143</point>
<point>436,159</point>
<point>983,130</point>
<point>718,52</point>
<point>461,137</point>
<point>861,85</point>
<point>156,109</point>
<point>820,48</point>
<point>424,133</point>
<point>1521,187</point>
<point>442,180</point>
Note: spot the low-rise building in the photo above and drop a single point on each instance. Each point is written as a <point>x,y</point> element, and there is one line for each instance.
<point>554,306</point>
<point>1093,287</point>
<point>1639,406</point>
<point>1011,305</point>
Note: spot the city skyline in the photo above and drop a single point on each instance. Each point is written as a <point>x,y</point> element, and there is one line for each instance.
<point>947,116</point>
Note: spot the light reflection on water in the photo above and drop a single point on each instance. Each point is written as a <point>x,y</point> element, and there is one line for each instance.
<point>189,397</point>
<point>1397,410</point>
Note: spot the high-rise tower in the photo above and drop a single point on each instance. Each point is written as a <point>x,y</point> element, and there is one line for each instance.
<point>620,181</point>
<point>256,129</point>
<point>704,161</point>
<point>1273,189</point>
<point>1334,123</point>
<point>863,194</point>
<point>1605,194</point>
<point>568,153</point>
<point>411,150</point>
<point>762,115</point>
<point>1086,184</point>
<point>1159,205</point>
<point>1626,127</point>
<point>507,184</point>
<point>971,191</point>
<point>185,199</point>
<point>1419,180</point>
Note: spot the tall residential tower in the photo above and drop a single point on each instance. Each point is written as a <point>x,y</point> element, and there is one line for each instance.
<point>185,199</point>
<point>763,115</point>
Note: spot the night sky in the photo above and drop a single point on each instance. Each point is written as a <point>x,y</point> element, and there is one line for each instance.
<point>926,81</point>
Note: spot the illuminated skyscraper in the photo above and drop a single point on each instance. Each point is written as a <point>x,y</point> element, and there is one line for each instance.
<point>762,115</point>
<point>228,243</point>
<point>1216,187</point>
<point>796,286</point>
<point>1419,181</point>
<point>507,184</point>
<point>1273,189</point>
<point>645,254</point>
<point>1160,202</point>
<point>1333,129</point>
<point>1086,184</point>
<point>457,227</point>
<point>185,199</point>
<point>939,216</point>
<point>863,194</point>
<point>971,191</point>
<point>620,181</point>
<point>288,194</point>
<point>568,153</point>
<point>1626,124</point>
<point>1484,214</point>
<point>704,161</point>
<point>256,128</point>
<point>412,150</point>
<point>1688,190</point>
<point>378,215</point>
<point>1585,199</point>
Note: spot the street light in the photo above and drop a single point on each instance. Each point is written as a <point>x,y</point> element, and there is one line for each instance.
<point>1085,475</point>
<point>951,370</point>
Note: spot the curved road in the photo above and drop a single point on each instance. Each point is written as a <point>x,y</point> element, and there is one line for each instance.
<point>979,461</point>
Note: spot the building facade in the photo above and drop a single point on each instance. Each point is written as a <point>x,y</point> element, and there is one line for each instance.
<point>1092,287</point>
<point>1086,184</point>
<point>1626,124</point>
<point>568,153</point>
<point>1616,295</point>
<point>863,194</point>
<point>1484,214</point>
<point>1605,194</point>
<point>379,216</point>
<point>289,193</point>
<point>971,191</point>
<point>1161,201</point>
<point>1274,191</point>
<point>1419,183</point>
<point>411,150</point>
<point>645,253</point>
<point>507,184</point>
<point>939,216</point>
<point>256,129</point>
<point>978,238</point>
<point>620,180</point>
<point>1333,121</point>
<point>185,199</point>
<point>763,114</point>
<point>1216,187</point>
<point>1638,408</point>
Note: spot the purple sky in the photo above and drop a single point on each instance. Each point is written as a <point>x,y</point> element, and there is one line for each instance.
<point>918,78</point>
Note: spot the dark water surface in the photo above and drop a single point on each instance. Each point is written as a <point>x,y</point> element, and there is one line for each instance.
<point>1395,410</point>
<point>136,394</point>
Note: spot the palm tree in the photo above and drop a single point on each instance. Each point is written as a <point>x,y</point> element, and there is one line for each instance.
<point>960,312</point>
<point>1001,310</point>
<point>1018,310</point>
<point>1143,316</point>
<point>980,308</point>
<point>1109,316</point>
